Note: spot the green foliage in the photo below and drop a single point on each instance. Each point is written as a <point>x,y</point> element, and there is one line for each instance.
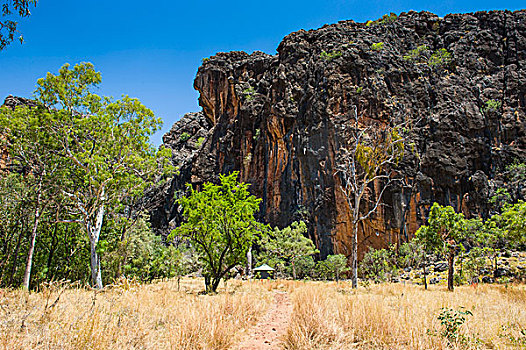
<point>8,25</point>
<point>415,55</point>
<point>378,265</point>
<point>89,159</point>
<point>330,55</point>
<point>205,59</point>
<point>359,89</point>
<point>332,268</point>
<point>451,321</point>
<point>249,93</point>
<point>256,135</point>
<point>184,137</point>
<point>492,105</point>
<point>220,225</point>
<point>199,142</point>
<point>439,58</point>
<point>288,250</point>
<point>142,255</point>
<point>387,18</point>
<point>377,46</point>
<point>443,234</point>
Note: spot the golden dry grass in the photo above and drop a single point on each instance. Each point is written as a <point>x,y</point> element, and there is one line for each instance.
<point>394,316</point>
<point>129,316</point>
<point>325,316</point>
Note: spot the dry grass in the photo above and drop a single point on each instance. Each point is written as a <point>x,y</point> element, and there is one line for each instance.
<point>394,316</point>
<point>326,316</point>
<point>130,316</point>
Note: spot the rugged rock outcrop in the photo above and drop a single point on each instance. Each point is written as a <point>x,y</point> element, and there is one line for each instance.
<point>279,120</point>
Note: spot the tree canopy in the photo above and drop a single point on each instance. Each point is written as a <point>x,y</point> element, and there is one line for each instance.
<point>8,24</point>
<point>220,224</point>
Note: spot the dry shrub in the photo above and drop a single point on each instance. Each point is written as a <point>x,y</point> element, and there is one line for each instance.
<point>391,316</point>
<point>130,316</point>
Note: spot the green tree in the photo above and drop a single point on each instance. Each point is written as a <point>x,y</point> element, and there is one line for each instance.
<point>336,265</point>
<point>8,26</point>
<point>287,247</point>
<point>443,234</point>
<point>33,154</point>
<point>220,224</point>
<point>378,265</point>
<point>106,145</point>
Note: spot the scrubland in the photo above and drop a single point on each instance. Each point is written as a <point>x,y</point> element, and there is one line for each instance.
<point>326,315</point>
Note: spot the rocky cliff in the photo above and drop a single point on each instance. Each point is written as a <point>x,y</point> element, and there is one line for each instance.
<point>460,80</point>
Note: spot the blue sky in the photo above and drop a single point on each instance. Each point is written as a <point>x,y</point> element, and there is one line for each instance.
<point>152,50</point>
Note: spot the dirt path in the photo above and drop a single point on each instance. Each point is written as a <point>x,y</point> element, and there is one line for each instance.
<point>267,333</point>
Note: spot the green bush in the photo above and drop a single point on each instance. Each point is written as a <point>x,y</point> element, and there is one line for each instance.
<point>439,58</point>
<point>387,18</point>
<point>184,137</point>
<point>377,46</point>
<point>199,142</point>
<point>492,105</point>
<point>415,54</point>
<point>330,55</point>
<point>249,93</point>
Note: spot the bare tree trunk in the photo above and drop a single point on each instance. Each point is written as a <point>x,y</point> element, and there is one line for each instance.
<point>425,275</point>
<point>354,267</point>
<point>31,251</point>
<point>451,268</point>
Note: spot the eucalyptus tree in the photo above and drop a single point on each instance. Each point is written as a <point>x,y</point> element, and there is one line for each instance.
<point>369,150</point>
<point>287,246</point>
<point>32,155</point>
<point>10,9</point>
<point>443,234</point>
<point>106,147</point>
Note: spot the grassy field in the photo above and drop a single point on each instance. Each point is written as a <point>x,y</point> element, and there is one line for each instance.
<point>325,316</point>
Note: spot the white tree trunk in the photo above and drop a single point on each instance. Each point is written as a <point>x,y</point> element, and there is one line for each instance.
<point>31,251</point>
<point>354,267</point>
<point>94,234</point>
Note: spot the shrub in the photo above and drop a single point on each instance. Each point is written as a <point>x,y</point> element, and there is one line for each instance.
<point>199,142</point>
<point>439,58</point>
<point>377,46</point>
<point>206,59</point>
<point>415,54</point>
<point>184,137</point>
<point>249,93</point>
<point>387,18</point>
<point>451,321</point>
<point>330,55</point>
<point>492,105</point>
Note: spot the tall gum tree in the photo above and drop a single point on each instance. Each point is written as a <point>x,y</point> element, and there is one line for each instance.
<point>107,147</point>
<point>367,154</point>
<point>32,155</point>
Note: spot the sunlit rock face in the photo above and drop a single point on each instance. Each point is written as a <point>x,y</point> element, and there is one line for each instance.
<point>279,121</point>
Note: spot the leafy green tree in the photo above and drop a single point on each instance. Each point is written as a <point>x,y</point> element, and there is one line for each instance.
<point>287,247</point>
<point>332,267</point>
<point>106,145</point>
<point>143,255</point>
<point>443,234</point>
<point>33,154</point>
<point>8,26</point>
<point>378,265</point>
<point>220,225</point>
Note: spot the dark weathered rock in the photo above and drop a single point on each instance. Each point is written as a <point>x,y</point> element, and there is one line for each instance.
<point>279,120</point>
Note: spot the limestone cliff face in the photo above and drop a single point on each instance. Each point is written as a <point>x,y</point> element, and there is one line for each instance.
<point>279,120</point>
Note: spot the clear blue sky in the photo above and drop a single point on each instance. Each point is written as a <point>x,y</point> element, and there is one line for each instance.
<point>151,50</point>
